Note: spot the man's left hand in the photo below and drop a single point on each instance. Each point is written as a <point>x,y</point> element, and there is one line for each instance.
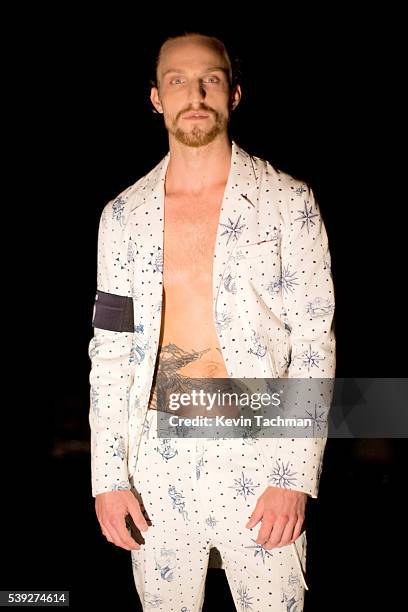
<point>282,512</point>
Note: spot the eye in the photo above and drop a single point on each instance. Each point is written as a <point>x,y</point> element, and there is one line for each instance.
<point>212,79</point>
<point>176,81</point>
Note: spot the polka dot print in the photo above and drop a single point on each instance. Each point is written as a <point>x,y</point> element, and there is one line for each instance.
<point>199,494</point>
<point>273,308</point>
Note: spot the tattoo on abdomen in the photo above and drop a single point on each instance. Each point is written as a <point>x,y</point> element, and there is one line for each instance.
<point>170,359</point>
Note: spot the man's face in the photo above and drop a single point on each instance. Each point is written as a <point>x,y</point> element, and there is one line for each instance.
<point>193,78</point>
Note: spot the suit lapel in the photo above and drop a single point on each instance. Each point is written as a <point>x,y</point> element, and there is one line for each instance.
<point>237,225</point>
<point>236,211</point>
<point>147,229</point>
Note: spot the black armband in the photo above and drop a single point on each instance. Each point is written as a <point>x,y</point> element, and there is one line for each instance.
<point>113,312</point>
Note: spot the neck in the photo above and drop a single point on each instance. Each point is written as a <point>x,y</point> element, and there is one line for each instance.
<point>194,170</point>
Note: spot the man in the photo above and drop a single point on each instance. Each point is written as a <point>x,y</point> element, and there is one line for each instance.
<point>213,265</point>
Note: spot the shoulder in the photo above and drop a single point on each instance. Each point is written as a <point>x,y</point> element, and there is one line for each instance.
<point>290,195</point>
<point>120,207</point>
<point>278,179</point>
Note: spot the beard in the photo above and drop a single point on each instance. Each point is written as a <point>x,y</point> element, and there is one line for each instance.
<point>198,136</point>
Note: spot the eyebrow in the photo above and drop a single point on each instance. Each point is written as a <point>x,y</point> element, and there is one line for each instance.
<point>209,69</point>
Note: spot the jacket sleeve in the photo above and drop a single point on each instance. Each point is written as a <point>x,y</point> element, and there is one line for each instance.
<point>308,297</point>
<point>109,350</point>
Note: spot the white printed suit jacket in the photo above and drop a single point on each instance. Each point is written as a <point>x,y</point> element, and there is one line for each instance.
<point>273,308</point>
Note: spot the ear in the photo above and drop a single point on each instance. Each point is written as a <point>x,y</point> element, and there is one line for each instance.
<point>235,97</point>
<point>155,100</point>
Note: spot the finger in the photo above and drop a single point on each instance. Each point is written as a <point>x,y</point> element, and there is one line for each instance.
<point>118,540</point>
<point>126,536</point>
<point>265,530</point>
<point>138,518</point>
<point>298,528</point>
<point>107,535</point>
<point>287,534</point>
<point>276,534</point>
<point>113,540</point>
<point>255,517</point>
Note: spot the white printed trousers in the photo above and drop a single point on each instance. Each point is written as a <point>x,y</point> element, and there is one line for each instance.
<point>199,494</point>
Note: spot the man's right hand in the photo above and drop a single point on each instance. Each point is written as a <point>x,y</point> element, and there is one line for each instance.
<point>111,509</point>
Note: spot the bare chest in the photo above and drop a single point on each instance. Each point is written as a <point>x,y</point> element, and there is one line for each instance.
<point>190,230</point>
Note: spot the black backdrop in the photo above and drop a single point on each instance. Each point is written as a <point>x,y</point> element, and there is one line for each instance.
<point>319,101</point>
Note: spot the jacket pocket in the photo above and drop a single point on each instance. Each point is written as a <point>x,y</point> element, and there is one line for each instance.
<point>298,550</point>
<point>265,248</point>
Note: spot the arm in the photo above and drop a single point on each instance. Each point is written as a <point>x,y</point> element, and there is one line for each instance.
<point>308,297</point>
<point>111,372</point>
<point>309,303</point>
<point>111,377</point>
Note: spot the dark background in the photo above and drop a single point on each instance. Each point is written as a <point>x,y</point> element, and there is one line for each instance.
<point>320,101</point>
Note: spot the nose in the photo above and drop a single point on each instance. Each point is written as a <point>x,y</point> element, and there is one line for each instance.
<point>197,91</point>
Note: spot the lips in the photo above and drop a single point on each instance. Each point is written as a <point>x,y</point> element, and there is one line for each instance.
<point>196,116</point>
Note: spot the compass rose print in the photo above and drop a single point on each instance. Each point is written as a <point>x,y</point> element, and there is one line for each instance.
<point>288,279</point>
<point>311,358</point>
<point>233,229</point>
<point>260,550</point>
<point>306,217</point>
<point>318,419</point>
<point>282,475</point>
<point>244,598</point>
<point>244,486</point>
